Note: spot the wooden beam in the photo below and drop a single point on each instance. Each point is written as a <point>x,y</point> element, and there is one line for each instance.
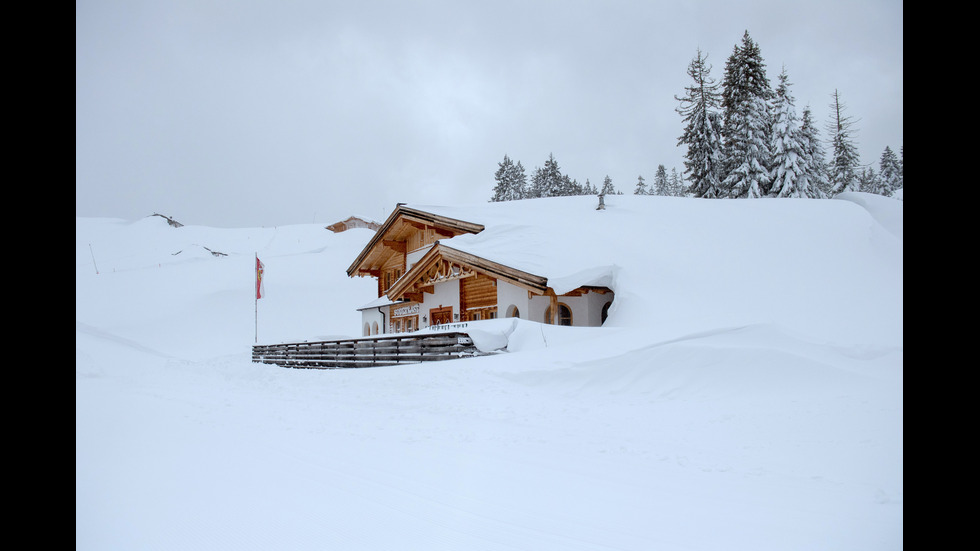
<point>553,300</point>
<point>416,218</point>
<point>397,246</point>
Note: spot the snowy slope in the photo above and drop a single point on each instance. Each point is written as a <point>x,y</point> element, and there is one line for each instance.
<point>748,398</point>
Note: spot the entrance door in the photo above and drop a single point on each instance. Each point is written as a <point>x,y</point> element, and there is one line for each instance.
<point>439,316</point>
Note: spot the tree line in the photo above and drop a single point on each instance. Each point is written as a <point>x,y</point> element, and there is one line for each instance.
<point>549,181</point>
<point>743,140</point>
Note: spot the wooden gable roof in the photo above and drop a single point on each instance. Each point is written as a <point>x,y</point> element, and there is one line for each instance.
<point>442,263</point>
<point>392,236</point>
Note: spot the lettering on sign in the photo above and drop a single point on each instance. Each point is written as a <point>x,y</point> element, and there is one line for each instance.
<point>445,326</point>
<point>405,311</point>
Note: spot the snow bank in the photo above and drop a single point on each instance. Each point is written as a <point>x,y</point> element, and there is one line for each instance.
<point>746,391</point>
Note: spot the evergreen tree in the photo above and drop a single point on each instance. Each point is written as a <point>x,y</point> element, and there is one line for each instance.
<point>702,134</point>
<point>570,186</point>
<point>816,163</point>
<point>789,171</point>
<point>607,187</point>
<point>660,183</point>
<point>745,99</point>
<point>676,185</point>
<point>519,180</point>
<point>890,172</point>
<point>869,181</point>
<point>589,189</point>
<point>844,157</point>
<point>548,181</point>
<point>511,181</point>
<point>641,187</point>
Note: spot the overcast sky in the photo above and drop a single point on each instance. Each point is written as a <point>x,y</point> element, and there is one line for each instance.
<point>259,113</point>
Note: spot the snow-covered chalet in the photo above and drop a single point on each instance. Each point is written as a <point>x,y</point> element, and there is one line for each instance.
<point>531,259</point>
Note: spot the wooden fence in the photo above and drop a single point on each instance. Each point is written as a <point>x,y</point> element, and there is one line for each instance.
<point>367,351</point>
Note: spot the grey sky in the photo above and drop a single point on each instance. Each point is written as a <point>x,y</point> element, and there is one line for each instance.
<point>258,113</point>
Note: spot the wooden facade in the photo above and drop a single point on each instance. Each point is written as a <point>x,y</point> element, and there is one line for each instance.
<point>429,283</point>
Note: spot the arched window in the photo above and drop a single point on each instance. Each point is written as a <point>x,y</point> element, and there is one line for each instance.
<point>564,314</point>
<point>513,312</point>
<point>374,328</point>
<point>367,330</point>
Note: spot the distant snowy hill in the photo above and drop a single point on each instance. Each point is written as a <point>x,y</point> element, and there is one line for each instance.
<point>746,391</point>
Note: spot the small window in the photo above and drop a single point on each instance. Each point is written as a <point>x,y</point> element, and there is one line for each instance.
<point>564,315</point>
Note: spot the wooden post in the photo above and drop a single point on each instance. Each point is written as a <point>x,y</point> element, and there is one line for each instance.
<point>553,298</point>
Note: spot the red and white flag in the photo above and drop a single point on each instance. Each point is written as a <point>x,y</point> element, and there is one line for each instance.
<point>259,284</point>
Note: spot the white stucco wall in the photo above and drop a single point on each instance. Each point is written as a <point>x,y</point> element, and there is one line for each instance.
<point>412,257</point>
<point>372,316</point>
<point>586,310</point>
<point>446,294</point>
<point>511,295</point>
<point>596,302</point>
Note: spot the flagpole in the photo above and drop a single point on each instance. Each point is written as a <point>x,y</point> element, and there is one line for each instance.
<point>255,294</point>
<point>259,284</point>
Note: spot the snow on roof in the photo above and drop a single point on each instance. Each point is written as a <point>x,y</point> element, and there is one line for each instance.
<point>677,257</point>
<point>560,238</point>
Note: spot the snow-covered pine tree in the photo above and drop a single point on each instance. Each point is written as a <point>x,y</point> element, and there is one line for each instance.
<point>519,181</point>
<point>511,181</point>
<point>844,161</point>
<point>641,186</point>
<point>745,99</point>
<point>589,189</point>
<point>789,171</point>
<point>569,186</point>
<point>660,184</point>
<point>548,181</point>
<point>816,162</point>
<point>703,162</point>
<point>675,186</point>
<point>869,182</point>
<point>889,171</point>
<point>607,186</point>
<point>501,191</point>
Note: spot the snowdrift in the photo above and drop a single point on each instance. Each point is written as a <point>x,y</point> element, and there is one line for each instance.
<point>745,393</point>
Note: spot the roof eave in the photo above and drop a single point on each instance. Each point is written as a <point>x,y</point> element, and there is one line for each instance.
<point>531,282</point>
<point>419,215</point>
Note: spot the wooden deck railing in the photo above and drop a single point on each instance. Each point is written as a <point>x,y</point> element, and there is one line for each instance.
<point>367,351</point>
